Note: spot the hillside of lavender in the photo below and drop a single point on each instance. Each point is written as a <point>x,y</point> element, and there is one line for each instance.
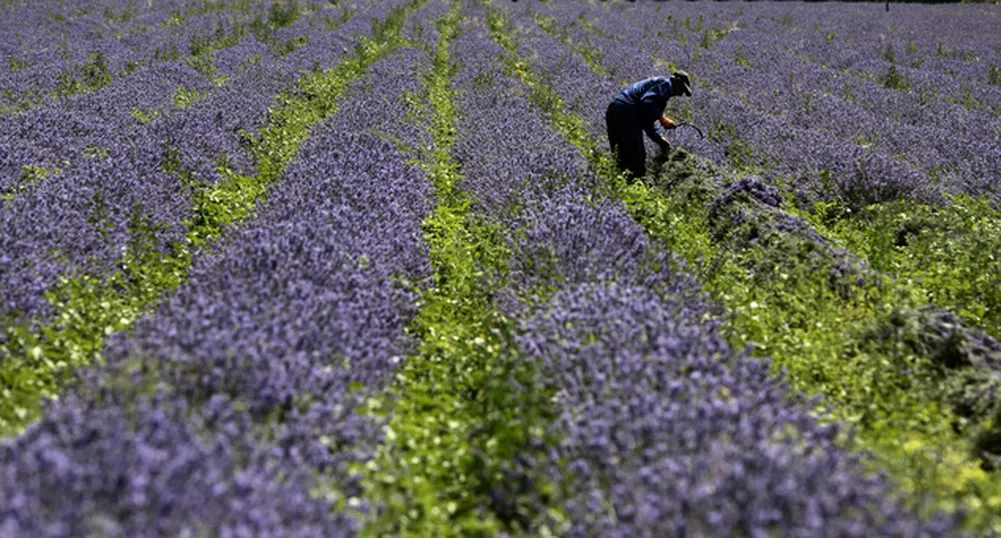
<point>369,268</point>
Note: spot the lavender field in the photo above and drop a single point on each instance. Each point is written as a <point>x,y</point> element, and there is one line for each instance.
<point>368,268</point>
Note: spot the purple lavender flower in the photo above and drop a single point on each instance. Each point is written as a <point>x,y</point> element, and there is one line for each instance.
<point>233,404</point>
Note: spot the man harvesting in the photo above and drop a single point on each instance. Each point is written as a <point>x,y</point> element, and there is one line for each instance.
<point>636,109</point>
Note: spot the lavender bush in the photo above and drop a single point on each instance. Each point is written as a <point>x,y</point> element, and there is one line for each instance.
<point>91,181</point>
<point>225,410</point>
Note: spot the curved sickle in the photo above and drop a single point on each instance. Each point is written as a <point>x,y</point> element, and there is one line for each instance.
<point>702,136</point>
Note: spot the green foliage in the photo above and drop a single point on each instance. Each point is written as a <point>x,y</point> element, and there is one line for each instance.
<point>95,71</point>
<point>98,217</point>
<point>542,94</point>
<point>864,142</point>
<point>92,75</point>
<point>484,79</point>
<point>202,7</point>
<point>951,255</point>
<point>39,359</point>
<point>202,44</point>
<point>68,85</point>
<point>17,65</point>
<point>284,13</point>
<point>864,346</point>
<point>290,45</point>
<point>203,64</point>
<point>468,405</point>
<point>126,14</point>
<point>29,176</point>
<point>894,79</point>
<point>96,152</point>
<point>591,54</point>
<point>32,174</point>
<point>167,54</point>
<point>201,47</point>
<point>967,100</point>
<point>916,62</point>
<point>994,78</point>
<point>184,97</point>
<point>740,58</point>
<point>176,19</point>
<point>738,152</point>
<point>260,29</point>
<point>889,54</point>
<point>592,27</point>
<point>945,52</point>
<point>130,67</point>
<point>711,36</point>
<point>145,116</point>
<point>334,23</point>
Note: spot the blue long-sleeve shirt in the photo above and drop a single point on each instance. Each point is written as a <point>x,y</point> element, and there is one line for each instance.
<point>648,99</point>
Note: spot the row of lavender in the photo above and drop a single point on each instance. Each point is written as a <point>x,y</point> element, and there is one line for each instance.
<point>147,94</point>
<point>116,170</point>
<point>952,48</point>
<point>45,47</point>
<point>230,410</point>
<point>808,104</point>
<point>57,137</point>
<point>903,142</point>
<point>34,28</point>
<point>665,430</point>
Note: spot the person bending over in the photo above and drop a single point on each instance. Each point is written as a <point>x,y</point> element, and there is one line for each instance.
<point>636,110</point>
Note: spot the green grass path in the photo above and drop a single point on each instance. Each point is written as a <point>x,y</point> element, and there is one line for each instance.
<point>465,406</point>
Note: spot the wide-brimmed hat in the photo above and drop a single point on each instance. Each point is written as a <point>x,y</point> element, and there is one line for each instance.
<point>686,83</point>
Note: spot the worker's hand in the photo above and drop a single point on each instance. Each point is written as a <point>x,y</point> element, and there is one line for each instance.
<point>667,123</point>
<point>665,145</point>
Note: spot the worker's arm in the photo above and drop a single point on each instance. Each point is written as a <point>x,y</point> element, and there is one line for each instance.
<point>651,132</point>
<point>652,107</point>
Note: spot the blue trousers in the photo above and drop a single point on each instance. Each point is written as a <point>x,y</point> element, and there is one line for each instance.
<point>625,137</point>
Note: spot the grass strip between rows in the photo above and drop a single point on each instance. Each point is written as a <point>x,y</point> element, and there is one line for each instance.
<point>466,407</point>
<point>857,349</point>
<point>37,358</point>
<point>950,254</point>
